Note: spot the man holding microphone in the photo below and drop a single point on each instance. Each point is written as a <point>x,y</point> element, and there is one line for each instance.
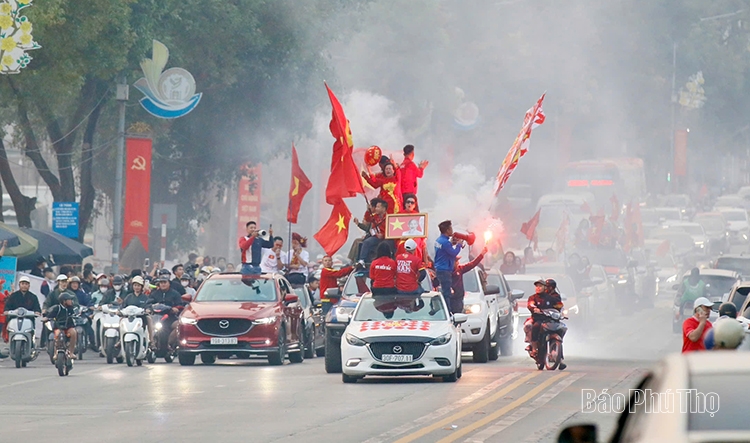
<point>447,249</point>
<point>251,247</point>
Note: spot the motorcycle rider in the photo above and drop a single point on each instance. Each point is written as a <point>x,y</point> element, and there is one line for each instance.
<point>84,299</point>
<point>164,294</point>
<point>62,315</point>
<point>178,270</point>
<point>115,294</point>
<point>692,287</point>
<point>185,284</point>
<point>101,292</point>
<point>61,288</point>
<point>23,298</point>
<point>546,297</point>
<point>140,299</point>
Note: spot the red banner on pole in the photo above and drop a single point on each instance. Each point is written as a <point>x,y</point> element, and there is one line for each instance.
<point>248,197</point>
<point>137,191</point>
<point>680,153</point>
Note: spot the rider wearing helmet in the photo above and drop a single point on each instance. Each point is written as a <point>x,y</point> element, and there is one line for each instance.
<point>727,334</point>
<point>139,298</point>
<point>410,270</point>
<point>546,297</point>
<point>62,287</point>
<point>727,310</point>
<point>62,315</point>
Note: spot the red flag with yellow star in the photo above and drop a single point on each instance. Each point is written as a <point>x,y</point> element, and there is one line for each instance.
<point>345,179</point>
<point>335,232</point>
<point>297,189</point>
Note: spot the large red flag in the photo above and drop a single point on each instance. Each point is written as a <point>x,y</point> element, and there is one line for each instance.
<point>137,191</point>
<point>529,228</point>
<point>335,232</point>
<point>345,178</point>
<point>297,189</point>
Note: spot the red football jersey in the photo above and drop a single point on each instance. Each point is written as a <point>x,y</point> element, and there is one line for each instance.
<point>383,272</point>
<point>407,272</point>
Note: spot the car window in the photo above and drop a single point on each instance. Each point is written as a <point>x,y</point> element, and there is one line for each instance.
<point>497,280</point>
<point>304,299</point>
<point>526,286</point>
<point>739,265</point>
<point>598,272</point>
<point>734,215</point>
<point>237,290</point>
<point>730,389</point>
<point>471,282</point>
<point>739,297</point>
<point>383,308</point>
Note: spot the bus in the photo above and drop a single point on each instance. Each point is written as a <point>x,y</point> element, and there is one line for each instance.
<point>622,177</point>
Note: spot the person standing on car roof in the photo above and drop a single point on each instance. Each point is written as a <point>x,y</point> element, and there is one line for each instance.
<point>410,270</point>
<point>251,247</point>
<point>694,329</point>
<point>328,276</point>
<point>447,249</point>
<point>383,271</point>
<point>457,301</point>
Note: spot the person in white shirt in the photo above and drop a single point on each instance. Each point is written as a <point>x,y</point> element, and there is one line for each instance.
<point>270,260</point>
<point>296,261</point>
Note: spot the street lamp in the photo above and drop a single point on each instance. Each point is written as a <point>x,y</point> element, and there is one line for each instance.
<point>122,98</point>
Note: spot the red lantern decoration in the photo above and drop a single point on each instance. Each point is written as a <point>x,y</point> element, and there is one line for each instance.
<point>372,156</point>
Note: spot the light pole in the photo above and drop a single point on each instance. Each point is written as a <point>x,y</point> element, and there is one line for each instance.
<point>122,99</point>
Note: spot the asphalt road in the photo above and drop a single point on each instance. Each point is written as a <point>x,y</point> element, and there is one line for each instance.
<point>506,400</point>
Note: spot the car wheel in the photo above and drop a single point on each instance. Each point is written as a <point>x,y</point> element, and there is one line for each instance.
<point>494,351</point>
<point>186,359</point>
<point>320,352</point>
<point>310,345</point>
<point>277,358</point>
<point>459,371</point>
<point>452,378</point>
<point>348,378</point>
<point>208,359</point>
<point>333,355</point>
<point>481,350</point>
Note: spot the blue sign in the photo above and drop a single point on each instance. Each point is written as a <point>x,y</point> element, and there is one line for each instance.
<point>7,273</point>
<point>65,218</point>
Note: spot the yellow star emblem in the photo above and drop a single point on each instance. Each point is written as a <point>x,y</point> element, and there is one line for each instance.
<point>397,224</point>
<point>296,187</point>
<point>340,224</point>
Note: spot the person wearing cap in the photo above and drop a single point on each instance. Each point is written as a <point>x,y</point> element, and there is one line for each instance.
<point>546,297</point>
<point>694,329</point>
<point>139,298</point>
<point>22,298</point>
<point>446,252</point>
<point>389,183</point>
<point>62,314</point>
<point>410,270</point>
<point>457,298</point>
<point>410,171</point>
<point>61,288</point>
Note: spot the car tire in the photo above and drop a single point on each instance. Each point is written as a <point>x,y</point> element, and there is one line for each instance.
<point>494,351</point>
<point>186,359</point>
<point>481,350</point>
<point>277,358</point>
<point>332,355</point>
<point>452,378</point>
<point>460,371</point>
<point>208,359</point>
<point>309,345</point>
<point>348,378</point>
<point>320,352</point>
<point>297,357</point>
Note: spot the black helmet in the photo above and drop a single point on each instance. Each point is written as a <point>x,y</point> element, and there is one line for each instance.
<point>551,283</point>
<point>728,309</point>
<point>66,296</point>
<point>164,271</point>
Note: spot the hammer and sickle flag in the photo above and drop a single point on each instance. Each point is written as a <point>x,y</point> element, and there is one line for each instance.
<point>344,180</point>
<point>334,234</point>
<point>297,189</point>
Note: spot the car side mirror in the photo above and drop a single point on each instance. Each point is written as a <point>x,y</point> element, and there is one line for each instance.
<point>516,294</point>
<point>333,293</point>
<point>492,290</point>
<point>578,434</point>
<point>459,318</point>
<point>291,298</point>
<point>187,298</point>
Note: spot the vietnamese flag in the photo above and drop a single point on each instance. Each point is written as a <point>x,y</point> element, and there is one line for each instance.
<point>529,228</point>
<point>344,180</point>
<point>297,189</point>
<point>335,232</point>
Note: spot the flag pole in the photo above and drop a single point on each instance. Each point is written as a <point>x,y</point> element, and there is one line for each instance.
<point>289,254</point>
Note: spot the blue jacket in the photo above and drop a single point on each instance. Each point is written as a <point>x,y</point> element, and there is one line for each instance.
<point>445,253</point>
<point>84,299</point>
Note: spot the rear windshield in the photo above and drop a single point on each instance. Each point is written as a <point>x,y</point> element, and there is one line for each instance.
<point>605,257</point>
<point>725,400</point>
<point>735,215</point>
<point>245,290</point>
<point>740,265</point>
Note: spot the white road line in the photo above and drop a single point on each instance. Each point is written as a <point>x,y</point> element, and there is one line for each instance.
<point>521,413</point>
<point>34,380</point>
<point>421,421</point>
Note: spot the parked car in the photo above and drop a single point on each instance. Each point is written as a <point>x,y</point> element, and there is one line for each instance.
<point>718,282</point>
<point>508,301</point>
<point>669,214</point>
<point>716,229</point>
<point>681,201</point>
<point>696,232</point>
<point>243,317</point>
<point>738,295</point>
<point>480,332</point>
<point>739,225</point>
<point>730,201</point>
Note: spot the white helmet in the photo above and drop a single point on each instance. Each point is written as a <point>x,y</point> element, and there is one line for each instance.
<point>410,245</point>
<point>137,280</point>
<point>728,333</point>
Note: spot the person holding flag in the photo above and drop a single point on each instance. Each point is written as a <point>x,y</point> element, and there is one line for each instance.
<point>389,183</point>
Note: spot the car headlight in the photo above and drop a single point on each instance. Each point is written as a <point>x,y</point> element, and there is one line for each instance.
<point>473,309</point>
<point>264,321</point>
<point>157,326</point>
<point>672,279</point>
<point>342,311</point>
<point>442,340</point>
<point>354,340</point>
<point>188,321</point>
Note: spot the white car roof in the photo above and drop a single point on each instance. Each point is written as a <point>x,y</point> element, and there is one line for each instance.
<point>701,363</point>
<point>522,277</point>
<point>717,272</point>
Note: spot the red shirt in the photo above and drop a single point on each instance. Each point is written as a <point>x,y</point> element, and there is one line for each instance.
<point>420,252</point>
<point>377,224</point>
<point>407,272</point>
<point>328,279</point>
<point>383,272</point>
<point>410,172</point>
<point>690,325</point>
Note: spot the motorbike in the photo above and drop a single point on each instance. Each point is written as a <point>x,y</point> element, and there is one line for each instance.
<point>162,331</point>
<point>81,321</point>
<point>110,334</point>
<point>61,360</point>
<point>550,341</point>
<point>21,325</point>
<point>49,330</point>
<point>96,322</point>
<point>134,336</point>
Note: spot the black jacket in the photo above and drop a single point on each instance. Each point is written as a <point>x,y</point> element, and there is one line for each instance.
<point>26,300</point>
<point>142,301</point>
<point>62,317</point>
<point>177,286</point>
<point>110,296</point>
<point>543,301</point>
<point>170,298</point>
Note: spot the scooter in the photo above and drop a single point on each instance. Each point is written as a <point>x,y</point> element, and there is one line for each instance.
<point>134,337</point>
<point>162,332</point>
<point>549,345</point>
<point>81,320</point>
<point>21,325</point>
<point>110,334</point>
<point>96,322</point>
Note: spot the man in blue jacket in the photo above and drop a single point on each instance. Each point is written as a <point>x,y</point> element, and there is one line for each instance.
<point>447,249</point>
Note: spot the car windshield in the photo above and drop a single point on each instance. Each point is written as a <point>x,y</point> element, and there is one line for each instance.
<point>735,215</point>
<point>690,229</point>
<point>428,307</point>
<point>739,296</point>
<point>680,240</point>
<point>358,283</point>
<point>729,201</point>
<point>668,214</point>
<point>239,290</point>
<point>739,265</point>
<point>727,416</point>
<point>680,201</point>
<point>718,285</point>
<point>649,216</point>
<point>527,286</point>
<point>710,224</point>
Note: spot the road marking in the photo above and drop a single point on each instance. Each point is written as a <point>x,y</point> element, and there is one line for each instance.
<point>393,433</point>
<point>524,411</point>
<point>466,411</point>
<point>34,380</point>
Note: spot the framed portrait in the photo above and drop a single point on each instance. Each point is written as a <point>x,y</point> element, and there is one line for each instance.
<point>406,225</point>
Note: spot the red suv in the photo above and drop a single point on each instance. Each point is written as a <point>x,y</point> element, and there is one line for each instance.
<point>241,316</point>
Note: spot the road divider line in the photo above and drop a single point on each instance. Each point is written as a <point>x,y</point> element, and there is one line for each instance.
<point>468,410</point>
<point>34,380</point>
<point>393,433</point>
<point>502,411</point>
<point>523,412</point>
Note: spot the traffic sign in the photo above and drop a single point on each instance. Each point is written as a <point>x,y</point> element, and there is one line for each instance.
<point>65,218</point>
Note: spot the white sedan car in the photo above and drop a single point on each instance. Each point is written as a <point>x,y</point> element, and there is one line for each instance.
<point>402,335</point>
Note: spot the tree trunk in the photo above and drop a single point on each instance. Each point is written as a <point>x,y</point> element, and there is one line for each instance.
<point>22,204</point>
<point>88,193</point>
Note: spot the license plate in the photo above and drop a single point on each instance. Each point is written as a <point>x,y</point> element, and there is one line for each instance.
<point>224,341</point>
<point>396,358</point>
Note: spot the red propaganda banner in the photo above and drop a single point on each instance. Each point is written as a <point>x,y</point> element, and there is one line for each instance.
<point>137,191</point>
<point>680,152</point>
<point>248,197</point>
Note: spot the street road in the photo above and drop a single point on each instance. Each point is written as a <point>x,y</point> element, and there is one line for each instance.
<point>249,401</point>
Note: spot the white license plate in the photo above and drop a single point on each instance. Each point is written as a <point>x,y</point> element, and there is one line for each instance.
<point>396,358</point>
<point>224,341</point>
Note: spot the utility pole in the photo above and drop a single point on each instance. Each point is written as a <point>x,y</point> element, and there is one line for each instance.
<point>670,169</point>
<point>122,99</point>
